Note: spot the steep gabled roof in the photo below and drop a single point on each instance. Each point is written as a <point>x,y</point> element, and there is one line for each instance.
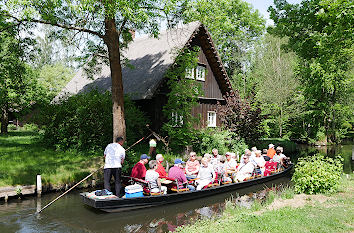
<point>151,57</point>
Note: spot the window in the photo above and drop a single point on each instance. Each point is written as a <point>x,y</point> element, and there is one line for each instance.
<point>196,73</point>
<point>190,73</point>
<point>177,120</point>
<point>200,73</point>
<point>211,119</point>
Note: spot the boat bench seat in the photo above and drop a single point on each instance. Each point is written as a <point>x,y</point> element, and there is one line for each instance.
<point>179,190</point>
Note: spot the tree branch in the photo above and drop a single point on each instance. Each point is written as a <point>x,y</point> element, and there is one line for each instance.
<point>122,26</point>
<point>58,25</point>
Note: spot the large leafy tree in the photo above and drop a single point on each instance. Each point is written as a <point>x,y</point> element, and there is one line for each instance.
<point>276,82</point>
<point>321,33</point>
<point>18,87</point>
<point>105,25</point>
<point>234,26</point>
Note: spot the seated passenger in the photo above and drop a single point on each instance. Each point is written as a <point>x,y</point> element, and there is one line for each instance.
<point>153,178</point>
<point>139,169</point>
<point>215,158</point>
<point>220,170</point>
<point>271,151</point>
<point>266,158</point>
<point>208,157</point>
<point>279,156</point>
<point>176,172</point>
<point>206,174</point>
<point>259,161</point>
<point>245,170</point>
<point>192,166</point>
<point>160,169</point>
<point>247,153</point>
<point>253,152</point>
<point>230,166</point>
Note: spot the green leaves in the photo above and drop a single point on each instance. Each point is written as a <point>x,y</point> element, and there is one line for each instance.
<point>317,174</point>
<point>320,32</point>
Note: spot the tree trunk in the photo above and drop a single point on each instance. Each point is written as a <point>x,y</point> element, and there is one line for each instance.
<point>4,119</point>
<point>112,42</point>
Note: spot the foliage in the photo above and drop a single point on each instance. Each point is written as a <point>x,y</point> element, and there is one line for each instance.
<point>234,26</point>
<point>320,32</point>
<point>240,117</point>
<point>317,174</point>
<point>276,85</point>
<point>84,122</point>
<point>53,78</point>
<point>18,86</point>
<point>101,29</point>
<point>182,97</point>
<point>223,140</point>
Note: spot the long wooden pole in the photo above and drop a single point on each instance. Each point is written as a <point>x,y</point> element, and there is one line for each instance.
<point>85,178</point>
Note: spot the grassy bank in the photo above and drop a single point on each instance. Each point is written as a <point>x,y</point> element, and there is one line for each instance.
<point>298,213</point>
<point>22,158</point>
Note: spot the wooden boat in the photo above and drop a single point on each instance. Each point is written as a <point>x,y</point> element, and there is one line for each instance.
<point>116,204</point>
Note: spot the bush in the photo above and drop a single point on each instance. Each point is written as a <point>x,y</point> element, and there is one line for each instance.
<point>84,122</point>
<point>222,140</point>
<point>317,174</point>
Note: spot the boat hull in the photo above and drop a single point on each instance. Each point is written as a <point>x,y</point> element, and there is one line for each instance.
<point>124,204</point>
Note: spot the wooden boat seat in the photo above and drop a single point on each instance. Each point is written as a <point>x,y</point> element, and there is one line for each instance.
<point>227,182</point>
<point>179,190</point>
<point>156,194</point>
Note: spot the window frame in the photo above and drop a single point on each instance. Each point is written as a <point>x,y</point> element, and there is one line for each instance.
<point>200,72</point>
<point>211,123</point>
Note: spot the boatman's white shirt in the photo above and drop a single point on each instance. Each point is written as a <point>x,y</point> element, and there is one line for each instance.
<point>115,153</point>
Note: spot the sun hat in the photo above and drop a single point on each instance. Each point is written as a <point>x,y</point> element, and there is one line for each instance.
<point>144,156</point>
<point>178,161</point>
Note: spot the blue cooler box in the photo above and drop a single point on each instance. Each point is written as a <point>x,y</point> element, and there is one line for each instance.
<point>134,190</point>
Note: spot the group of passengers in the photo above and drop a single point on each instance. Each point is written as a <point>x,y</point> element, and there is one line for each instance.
<point>206,170</point>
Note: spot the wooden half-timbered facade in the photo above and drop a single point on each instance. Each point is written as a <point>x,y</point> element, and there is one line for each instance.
<point>146,82</point>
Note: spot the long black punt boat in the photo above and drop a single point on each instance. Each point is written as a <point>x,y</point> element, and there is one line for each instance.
<point>124,204</point>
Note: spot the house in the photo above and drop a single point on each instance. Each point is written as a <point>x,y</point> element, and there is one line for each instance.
<point>151,57</point>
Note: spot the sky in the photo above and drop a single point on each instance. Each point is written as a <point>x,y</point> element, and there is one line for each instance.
<point>262,7</point>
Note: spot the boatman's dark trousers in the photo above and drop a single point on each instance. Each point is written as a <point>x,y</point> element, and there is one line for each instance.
<point>116,172</point>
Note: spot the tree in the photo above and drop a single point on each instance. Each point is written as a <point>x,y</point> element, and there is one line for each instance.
<point>105,22</point>
<point>234,26</point>
<point>53,78</point>
<point>18,87</point>
<point>321,33</point>
<point>277,83</point>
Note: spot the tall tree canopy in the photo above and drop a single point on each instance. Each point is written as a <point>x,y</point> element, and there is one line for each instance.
<point>234,26</point>
<point>275,83</point>
<point>18,88</point>
<point>105,25</point>
<point>321,33</point>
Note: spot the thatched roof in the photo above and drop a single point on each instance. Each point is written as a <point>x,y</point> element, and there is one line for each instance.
<point>150,57</point>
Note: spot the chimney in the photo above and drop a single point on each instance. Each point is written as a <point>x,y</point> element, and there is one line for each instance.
<point>132,32</point>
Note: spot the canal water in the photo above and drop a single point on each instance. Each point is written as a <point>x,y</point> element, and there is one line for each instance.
<point>70,215</point>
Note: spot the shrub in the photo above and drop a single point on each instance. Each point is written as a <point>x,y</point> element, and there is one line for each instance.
<point>84,122</point>
<point>222,140</point>
<point>317,174</point>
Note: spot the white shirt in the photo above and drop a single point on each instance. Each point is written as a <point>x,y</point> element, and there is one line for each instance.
<point>206,173</point>
<point>230,164</point>
<point>258,161</point>
<point>278,158</point>
<point>151,176</point>
<point>114,153</point>
<point>246,169</point>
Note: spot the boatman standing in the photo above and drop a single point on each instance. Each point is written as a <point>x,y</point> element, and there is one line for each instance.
<point>114,157</point>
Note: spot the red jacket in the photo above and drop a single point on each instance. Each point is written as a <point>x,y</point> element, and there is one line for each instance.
<point>138,171</point>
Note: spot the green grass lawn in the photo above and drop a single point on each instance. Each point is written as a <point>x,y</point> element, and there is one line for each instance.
<point>336,214</point>
<point>22,158</point>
